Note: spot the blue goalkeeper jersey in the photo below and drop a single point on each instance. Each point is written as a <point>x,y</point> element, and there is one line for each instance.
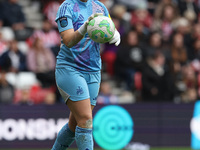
<point>85,56</point>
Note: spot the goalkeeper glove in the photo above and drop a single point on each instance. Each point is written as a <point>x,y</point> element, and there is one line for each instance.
<point>83,29</point>
<point>116,38</point>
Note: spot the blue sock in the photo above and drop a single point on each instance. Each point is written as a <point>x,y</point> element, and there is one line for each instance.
<point>84,139</point>
<point>64,138</point>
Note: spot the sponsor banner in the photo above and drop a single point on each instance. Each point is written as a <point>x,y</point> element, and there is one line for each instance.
<point>155,124</point>
<point>195,127</point>
<point>30,129</point>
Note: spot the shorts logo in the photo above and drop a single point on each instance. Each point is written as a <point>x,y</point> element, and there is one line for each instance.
<point>63,22</point>
<point>95,98</point>
<point>79,90</point>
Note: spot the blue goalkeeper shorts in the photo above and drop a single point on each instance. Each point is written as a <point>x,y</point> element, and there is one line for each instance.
<point>77,86</point>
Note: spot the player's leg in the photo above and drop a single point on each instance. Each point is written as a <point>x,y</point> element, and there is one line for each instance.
<point>66,135</point>
<point>72,121</point>
<point>83,114</point>
<point>71,84</point>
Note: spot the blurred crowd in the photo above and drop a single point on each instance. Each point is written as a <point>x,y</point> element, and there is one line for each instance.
<point>158,59</point>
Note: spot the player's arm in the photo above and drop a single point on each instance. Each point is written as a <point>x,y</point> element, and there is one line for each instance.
<point>71,38</point>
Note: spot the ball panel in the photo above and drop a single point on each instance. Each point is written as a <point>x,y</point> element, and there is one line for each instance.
<point>101,29</point>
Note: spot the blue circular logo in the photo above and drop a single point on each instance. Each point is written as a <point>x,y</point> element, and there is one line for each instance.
<point>113,127</point>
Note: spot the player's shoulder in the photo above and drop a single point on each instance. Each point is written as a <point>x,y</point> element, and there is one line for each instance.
<point>102,7</point>
<point>67,3</point>
<point>65,9</point>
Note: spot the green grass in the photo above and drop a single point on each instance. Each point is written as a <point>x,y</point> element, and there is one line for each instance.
<point>160,148</point>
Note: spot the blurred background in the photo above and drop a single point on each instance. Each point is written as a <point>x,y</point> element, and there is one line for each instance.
<point>154,73</point>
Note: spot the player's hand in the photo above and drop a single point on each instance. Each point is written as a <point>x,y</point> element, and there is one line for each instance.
<point>93,16</point>
<point>83,29</point>
<point>116,38</point>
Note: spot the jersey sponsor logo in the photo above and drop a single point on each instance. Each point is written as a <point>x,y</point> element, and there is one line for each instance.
<point>63,22</point>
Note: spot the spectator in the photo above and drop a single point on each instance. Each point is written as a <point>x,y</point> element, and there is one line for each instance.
<point>183,26</point>
<point>50,98</point>
<point>178,53</point>
<point>13,59</point>
<point>141,16</point>
<point>130,57</point>
<point>157,84</point>
<point>6,90</point>
<point>12,15</point>
<point>41,61</point>
<point>50,10</point>
<point>160,7</point>
<point>49,36</point>
<point>141,20</point>
<point>133,3</point>
<point>25,98</point>
<point>188,9</point>
<point>196,61</point>
<point>121,18</point>
<point>192,42</point>
<point>166,22</point>
<point>154,42</point>
<point>3,44</point>
<point>190,83</point>
<point>105,95</point>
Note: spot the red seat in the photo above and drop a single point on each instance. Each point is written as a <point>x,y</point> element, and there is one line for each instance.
<point>138,80</point>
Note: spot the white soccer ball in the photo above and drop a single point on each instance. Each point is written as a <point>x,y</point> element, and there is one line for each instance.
<point>101,29</point>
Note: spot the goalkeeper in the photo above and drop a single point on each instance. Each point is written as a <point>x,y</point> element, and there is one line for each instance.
<point>78,70</point>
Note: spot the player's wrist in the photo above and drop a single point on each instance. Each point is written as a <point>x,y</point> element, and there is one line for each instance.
<point>83,29</point>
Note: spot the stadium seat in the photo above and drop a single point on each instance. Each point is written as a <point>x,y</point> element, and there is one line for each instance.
<point>138,80</point>
<point>22,80</point>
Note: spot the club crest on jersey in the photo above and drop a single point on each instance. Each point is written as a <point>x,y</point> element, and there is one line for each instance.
<point>63,22</point>
<point>79,90</point>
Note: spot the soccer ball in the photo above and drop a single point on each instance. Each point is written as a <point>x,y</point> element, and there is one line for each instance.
<point>101,29</point>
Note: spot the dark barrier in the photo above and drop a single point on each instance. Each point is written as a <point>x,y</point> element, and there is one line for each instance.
<point>156,124</point>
